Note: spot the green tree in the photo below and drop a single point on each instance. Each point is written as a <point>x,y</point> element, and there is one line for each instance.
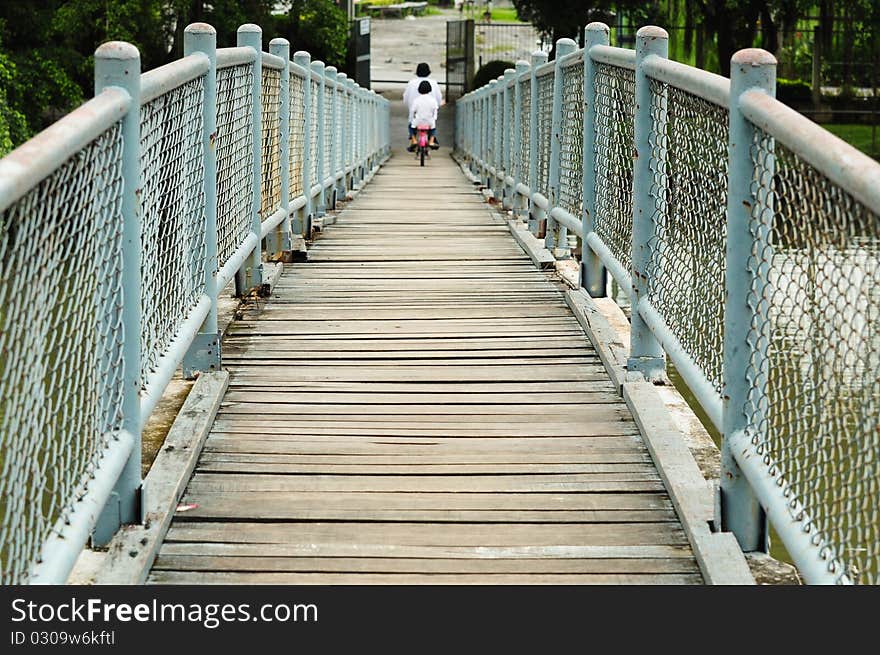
<point>13,125</point>
<point>318,26</point>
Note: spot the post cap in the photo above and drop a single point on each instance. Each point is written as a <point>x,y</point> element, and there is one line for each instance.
<point>318,65</point>
<point>597,27</point>
<point>279,41</point>
<point>343,76</point>
<point>652,32</point>
<point>200,28</point>
<point>753,57</point>
<point>250,28</point>
<point>539,55</point>
<point>522,65</point>
<point>121,50</point>
<point>566,43</point>
<point>330,70</point>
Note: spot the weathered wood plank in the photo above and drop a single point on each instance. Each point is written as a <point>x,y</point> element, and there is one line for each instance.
<point>221,578</point>
<point>421,565</point>
<point>436,534</point>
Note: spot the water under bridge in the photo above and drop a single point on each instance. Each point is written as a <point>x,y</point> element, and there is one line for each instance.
<point>452,373</point>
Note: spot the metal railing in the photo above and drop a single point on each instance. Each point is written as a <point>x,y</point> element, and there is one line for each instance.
<point>747,239</point>
<point>119,225</point>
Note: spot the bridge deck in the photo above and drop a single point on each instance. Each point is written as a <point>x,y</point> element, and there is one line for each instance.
<point>417,404</point>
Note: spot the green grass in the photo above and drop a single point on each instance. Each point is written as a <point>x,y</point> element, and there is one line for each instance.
<point>505,15</point>
<point>858,136</point>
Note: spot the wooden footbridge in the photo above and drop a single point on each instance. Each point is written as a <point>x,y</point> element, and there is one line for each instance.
<point>417,404</point>
<point>426,376</point>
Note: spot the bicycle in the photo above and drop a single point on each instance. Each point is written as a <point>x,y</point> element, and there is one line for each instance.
<point>422,147</point>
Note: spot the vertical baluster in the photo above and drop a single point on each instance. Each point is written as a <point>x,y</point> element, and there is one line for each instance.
<point>279,242</point>
<point>204,352</point>
<point>508,136</point>
<point>748,236</point>
<point>593,274</point>
<point>519,203</point>
<point>250,275</point>
<point>118,64</point>
<point>536,214</point>
<point>556,239</point>
<point>342,183</point>
<point>646,353</point>
<point>321,174</point>
<point>302,223</point>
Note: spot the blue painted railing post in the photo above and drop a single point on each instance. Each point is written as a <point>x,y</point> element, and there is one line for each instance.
<point>593,273</point>
<point>330,76</point>
<point>118,64</point>
<point>342,183</point>
<point>646,353</point>
<point>536,214</point>
<point>302,226</point>
<point>350,129</point>
<point>320,200</point>
<point>519,202</point>
<point>556,238</point>
<point>497,119</point>
<point>508,136</point>
<point>278,242</point>
<point>745,277</point>
<point>251,274</point>
<point>204,353</point>
<point>489,145</point>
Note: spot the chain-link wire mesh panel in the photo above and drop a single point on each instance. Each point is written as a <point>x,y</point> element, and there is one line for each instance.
<point>270,134</point>
<point>297,132</point>
<point>525,131</point>
<point>815,355</point>
<point>313,135</point>
<point>173,217</point>
<point>544,133</point>
<point>328,131</point>
<point>615,101</point>
<point>235,158</point>
<point>571,152</point>
<point>60,344</point>
<point>688,163</point>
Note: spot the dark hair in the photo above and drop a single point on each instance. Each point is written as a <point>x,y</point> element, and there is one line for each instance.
<point>423,70</point>
<point>425,87</point>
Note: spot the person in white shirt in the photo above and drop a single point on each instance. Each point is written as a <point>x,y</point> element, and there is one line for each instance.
<point>423,111</point>
<point>423,73</point>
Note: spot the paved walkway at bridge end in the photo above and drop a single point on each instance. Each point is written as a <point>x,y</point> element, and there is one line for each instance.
<point>418,404</point>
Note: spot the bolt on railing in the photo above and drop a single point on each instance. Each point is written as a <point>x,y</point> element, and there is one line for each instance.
<point>747,240</point>
<point>136,210</point>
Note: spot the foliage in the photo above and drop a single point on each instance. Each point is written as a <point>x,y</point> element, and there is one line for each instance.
<point>318,26</point>
<point>13,125</point>
<point>491,71</point>
<point>795,93</point>
<point>47,46</point>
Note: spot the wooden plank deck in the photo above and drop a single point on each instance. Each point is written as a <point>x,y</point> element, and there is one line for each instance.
<point>418,405</point>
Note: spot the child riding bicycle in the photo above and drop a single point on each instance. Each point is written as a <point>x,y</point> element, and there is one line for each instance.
<point>423,112</point>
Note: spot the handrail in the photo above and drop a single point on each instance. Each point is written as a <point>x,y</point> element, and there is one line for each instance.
<point>33,161</point>
<point>160,81</point>
<point>847,167</point>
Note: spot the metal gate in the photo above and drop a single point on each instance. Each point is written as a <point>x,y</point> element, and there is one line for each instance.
<point>459,57</point>
<point>359,51</point>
